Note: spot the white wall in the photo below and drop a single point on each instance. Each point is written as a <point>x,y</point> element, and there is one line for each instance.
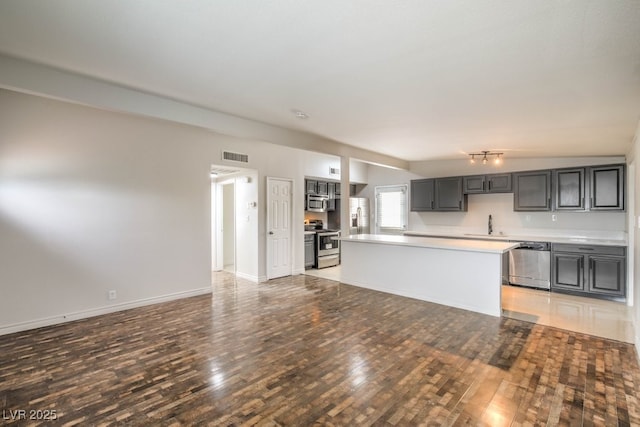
<point>358,172</point>
<point>92,201</point>
<point>318,165</point>
<point>248,257</point>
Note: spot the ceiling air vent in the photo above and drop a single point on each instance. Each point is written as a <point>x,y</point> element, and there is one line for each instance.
<point>235,157</point>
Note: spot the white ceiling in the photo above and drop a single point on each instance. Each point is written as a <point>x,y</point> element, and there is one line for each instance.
<point>414,79</point>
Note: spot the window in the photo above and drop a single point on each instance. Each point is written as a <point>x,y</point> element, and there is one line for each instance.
<point>391,209</point>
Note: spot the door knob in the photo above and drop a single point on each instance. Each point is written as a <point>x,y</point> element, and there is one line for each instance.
<point>271,232</point>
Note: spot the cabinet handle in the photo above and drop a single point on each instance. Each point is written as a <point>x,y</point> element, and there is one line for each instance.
<point>432,204</point>
<point>586,249</point>
<point>489,185</point>
<point>459,204</point>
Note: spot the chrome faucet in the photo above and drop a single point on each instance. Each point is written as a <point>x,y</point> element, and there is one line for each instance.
<point>490,225</point>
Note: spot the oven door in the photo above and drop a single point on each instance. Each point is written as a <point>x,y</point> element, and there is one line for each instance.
<point>328,243</point>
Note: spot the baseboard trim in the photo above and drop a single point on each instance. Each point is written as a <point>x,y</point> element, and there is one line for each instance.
<point>85,314</point>
<point>248,277</point>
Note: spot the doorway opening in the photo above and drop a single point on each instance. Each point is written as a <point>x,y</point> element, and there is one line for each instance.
<point>228,231</point>
<point>234,221</point>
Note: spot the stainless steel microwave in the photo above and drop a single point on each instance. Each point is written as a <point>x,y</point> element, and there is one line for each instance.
<point>316,203</point>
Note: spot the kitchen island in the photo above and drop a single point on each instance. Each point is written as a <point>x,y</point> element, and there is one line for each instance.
<point>459,273</point>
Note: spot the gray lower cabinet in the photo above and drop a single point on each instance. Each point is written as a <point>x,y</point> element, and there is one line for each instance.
<point>532,191</point>
<point>590,270</point>
<point>568,272</point>
<point>309,250</point>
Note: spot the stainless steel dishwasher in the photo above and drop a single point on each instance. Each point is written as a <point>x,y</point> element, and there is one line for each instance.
<point>530,265</point>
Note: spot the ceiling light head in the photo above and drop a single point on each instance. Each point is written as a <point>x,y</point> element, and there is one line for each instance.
<point>485,157</point>
<point>300,114</point>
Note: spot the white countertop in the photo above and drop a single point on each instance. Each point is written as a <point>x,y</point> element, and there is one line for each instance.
<point>456,244</point>
<point>520,238</point>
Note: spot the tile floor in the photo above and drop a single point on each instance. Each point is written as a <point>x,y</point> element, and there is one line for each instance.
<point>607,319</point>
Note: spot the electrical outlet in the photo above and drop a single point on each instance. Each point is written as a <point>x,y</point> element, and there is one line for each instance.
<point>112,295</point>
<point>554,217</point>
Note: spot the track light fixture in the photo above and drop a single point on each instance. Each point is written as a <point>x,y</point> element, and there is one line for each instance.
<point>485,157</point>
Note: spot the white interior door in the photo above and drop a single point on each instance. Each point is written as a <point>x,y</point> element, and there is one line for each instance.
<point>278,227</point>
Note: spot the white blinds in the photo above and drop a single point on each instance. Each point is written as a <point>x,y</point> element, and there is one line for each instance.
<point>391,208</point>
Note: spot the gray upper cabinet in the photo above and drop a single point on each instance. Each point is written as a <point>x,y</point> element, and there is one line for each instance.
<point>449,196</point>
<point>579,189</point>
<point>311,186</point>
<point>532,191</point>
<point>438,194</point>
<point>495,183</point>
<point>499,183</point>
<point>422,195</point>
<point>474,184</point>
<point>606,185</point>
<point>322,188</point>
<point>596,188</point>
<point>569,189</point>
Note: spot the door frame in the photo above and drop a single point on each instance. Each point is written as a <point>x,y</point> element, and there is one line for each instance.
<point>268,254</point>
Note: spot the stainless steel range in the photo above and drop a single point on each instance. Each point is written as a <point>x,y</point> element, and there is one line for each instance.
<point>327,248</point>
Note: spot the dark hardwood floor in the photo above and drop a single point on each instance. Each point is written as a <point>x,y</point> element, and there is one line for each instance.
<point>301,351</point>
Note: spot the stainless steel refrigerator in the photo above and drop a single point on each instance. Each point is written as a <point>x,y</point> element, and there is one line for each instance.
<point>359,215</point>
